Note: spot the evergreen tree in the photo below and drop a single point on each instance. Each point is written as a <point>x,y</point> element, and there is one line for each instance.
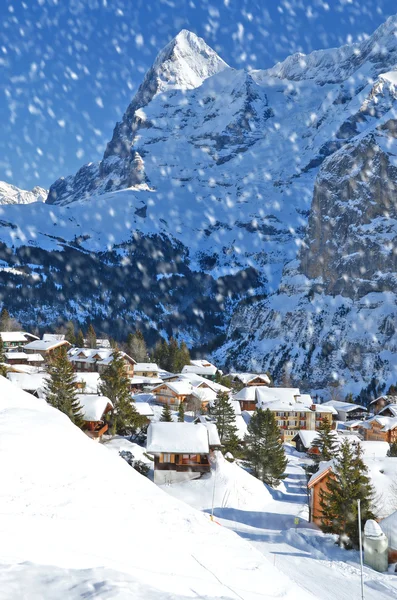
<point>225,418</point>
<point>136,347</point>
<point>338,501</point>
<point>124,419</point>
<point>8,323</point>
<point>166,415</point>
<point>60,387</point>
<point>91,337</point>
<point>349,398</point>
<point>80,339</point>
<point>182,358</point>
<point>160,355</point>
<point>181,412</point>
<point>3,368</point>
<point>325,443</point>
<point>392,450</point>
<point>69,333</point>
<point>265,454</point>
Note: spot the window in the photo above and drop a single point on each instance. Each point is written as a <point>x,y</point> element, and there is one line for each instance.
<point>167,458</point>
<point>280,423</point>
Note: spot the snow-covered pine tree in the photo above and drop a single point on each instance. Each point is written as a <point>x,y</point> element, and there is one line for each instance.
<point>264,451</point>
<point>124,419</point>
<point>181,412</point>
<point>3,368</point>
<point>349,482</point>
<point>225,418</point>
<point>60,387</point>
<point>325,443</point>
<point>166,415</point>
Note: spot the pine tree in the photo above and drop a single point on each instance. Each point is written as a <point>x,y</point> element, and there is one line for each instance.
<point>3,360</point>
<point>69,333</point>
<point>60,387</point>
<point>182,358</point>
<point>124,419</point>
<point>181,412</point>
<point>325,443</point>
<point>166,415</point>
<point>392,450</point>
<point>225,418</point>
<point>265,454</point>
<point>80,339</point>
<point>91,337</point>
<point>5,320</point>
<point>338,501</point>
<point>349,398</point>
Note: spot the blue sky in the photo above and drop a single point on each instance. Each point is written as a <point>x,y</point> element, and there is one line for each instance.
<point>69,68</point>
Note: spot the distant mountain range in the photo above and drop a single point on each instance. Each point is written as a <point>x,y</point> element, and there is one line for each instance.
<point>252,214</point>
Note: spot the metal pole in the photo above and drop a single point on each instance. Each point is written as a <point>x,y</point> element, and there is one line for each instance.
<point>213,489</point>
<point>361,548</point>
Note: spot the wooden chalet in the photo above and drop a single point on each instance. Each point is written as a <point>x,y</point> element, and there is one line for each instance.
<point>14,340</point>
<point>94,408</point>
<point>45,347</point>
<point>249,379</point>
<point>181,451</point>
<point>94,360</point>
<point>146,370</point>
<point>381,429</point>
<point>317,483</point>
<point>377,405</point>
<point>172,392</point>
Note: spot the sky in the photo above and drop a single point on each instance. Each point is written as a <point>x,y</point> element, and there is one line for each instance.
<point>69,68</point>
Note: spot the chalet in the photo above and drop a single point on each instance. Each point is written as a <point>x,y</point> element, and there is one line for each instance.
<point>181,451</point>
<point>22,358</point>
<point>200,367</point>
<point>380,428</point>
<point>45,348</point>
<point>380,403</point>
<point>95,361</point>
<point>202,382</point>
<point>140,383</point>
<point>146,370</point>
<point>33,383</point>
<point>304,440</point>
<point>388,411</point>
<point>53,337</point>
<point>13,340</point>
<point>317,483</point>
<point>252,396</point>
<point>347,411</point>
<point>248,379</point>
<point>173,393</point>
<point>213,435</point>
<point>94,408</point>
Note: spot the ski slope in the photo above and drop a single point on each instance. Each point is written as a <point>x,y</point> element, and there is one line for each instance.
<point>76,521</point>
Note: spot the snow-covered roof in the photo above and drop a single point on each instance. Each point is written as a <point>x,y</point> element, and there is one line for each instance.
<point>102,356</point>
<point>245,378</point>
<point>203,394</point>
<point>213,435</point>
<point>53,337</point>
<point>197,380</point>
<point>44,346</point>
<point>181,388</point>
<point>387,423</point>
<point>264,394</point>
<point>146,367</point>
<point>18,355</point>
<point>386,398</point>
<point>142,380</point>
<point>91,381</point>
<point>391,407</point>
<point>200,369</point>
<point>93,406</point>
<point>343,406</point>
<point>184,438</point>
<point>320,408</point>
<point>236,406</point>
<point>307,437</point>
<point>17,336</point>
<point>27,381</point>
<point>144,409</point>
<point>34,358</point>
<point>144,397</point>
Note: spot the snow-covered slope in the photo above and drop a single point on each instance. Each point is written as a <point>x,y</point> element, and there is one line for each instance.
<point>76,521</point>
<point>10,194</point>
<point>229,201</point>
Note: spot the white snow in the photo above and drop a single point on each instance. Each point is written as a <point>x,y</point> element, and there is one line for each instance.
<point>93,406</point>
<point>185,438</point>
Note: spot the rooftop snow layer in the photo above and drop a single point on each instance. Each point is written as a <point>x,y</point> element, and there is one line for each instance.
<point>186,438</point>
<point>93,406</point>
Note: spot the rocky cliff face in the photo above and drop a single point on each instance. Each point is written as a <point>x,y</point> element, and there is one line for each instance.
<point>252,212</point>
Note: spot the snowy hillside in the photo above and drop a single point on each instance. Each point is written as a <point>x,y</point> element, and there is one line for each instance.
<point>77,521</point>
<point>248,212</point>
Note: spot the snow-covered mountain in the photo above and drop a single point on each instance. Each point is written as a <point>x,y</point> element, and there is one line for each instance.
<point>251,213</point>
<point>10,194</point>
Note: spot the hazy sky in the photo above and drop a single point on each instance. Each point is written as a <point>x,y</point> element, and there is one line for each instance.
<point>69,68</point>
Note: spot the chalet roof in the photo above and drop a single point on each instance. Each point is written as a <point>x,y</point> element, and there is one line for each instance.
<point>245,378</point>
<point>343,406</point>
<point>181,388</point>
<point>144,409</point>
<point>387,423</point>
<point>321,408</point>
<point>324,468</point>
<point>200,368</point>
<point>146,367</point>
<point>101,356</point>
<point>184,438</point>
<point>213,435</point>
<point>17,336</point>
<point>34,358</point>
<point>142,380</point>
<point>17,355</point>
<point>28,381</point>
<point>387,398</point>
<point>264,394</point>
<point>203,394</point>
<point>391,407</point>
<point>93,406</point>
<point>307,437</point>
<point>197,380</point>
<point>144,397</point>
<point>53,337</point>
<point>45,345</point>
